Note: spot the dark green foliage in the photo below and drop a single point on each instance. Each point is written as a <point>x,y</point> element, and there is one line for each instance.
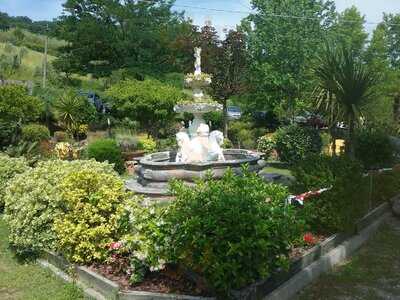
<point>104,36</point>
<point>344,85</point>
<point>281,49</point>
<point>35,133</point>
<point>374,148</point>
<point>338,209</point>
<point>73,110</point>
<point>107,150</point>
<point>233,231</point>
<point>242,135</point>
<point>383,186</point>
<point>16,108</point>
<point>294,143</point>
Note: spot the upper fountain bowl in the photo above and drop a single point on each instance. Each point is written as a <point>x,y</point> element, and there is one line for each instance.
<point>197,108</point>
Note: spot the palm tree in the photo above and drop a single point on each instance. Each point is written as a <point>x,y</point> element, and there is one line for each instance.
<point>344,85</point>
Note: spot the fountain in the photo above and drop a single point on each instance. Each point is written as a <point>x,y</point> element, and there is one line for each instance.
<point>199,150</point>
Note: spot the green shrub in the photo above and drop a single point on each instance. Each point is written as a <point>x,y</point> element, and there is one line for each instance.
<point>166,144</point>
<point>266,145</point>
<point>33,202</point>
<point>233,231</point>
<point>94,204</point>
<point>16,106</point>
<point>127,142</point>
<point>107,150</point>
<point>374,149</point>
<point>295,143</point>
<point>383,186</point>
<point>9,167</point>
<point>339,208</point>
<point>35,133</point>
<point>227,144</point>
<point>150,102</point>
<point>242,134</point>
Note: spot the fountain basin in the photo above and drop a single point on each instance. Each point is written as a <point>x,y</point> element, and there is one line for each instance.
<point>157,169</point>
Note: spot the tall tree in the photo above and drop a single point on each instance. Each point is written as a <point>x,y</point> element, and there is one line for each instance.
<point>105,35</point>
<point>231,68</point>
<point>283,37</point>
<point>349,30</point>
<point>346,84</point>
<point>382,56</point>
<point>209,42</point>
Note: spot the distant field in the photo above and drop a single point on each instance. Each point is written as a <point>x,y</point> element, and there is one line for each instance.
<point>30,40</point>
<point>31,62</point>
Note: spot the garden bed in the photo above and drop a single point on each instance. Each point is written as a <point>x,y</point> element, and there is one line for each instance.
<point>171,284</point>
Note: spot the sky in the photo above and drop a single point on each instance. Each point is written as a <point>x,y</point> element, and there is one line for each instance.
<point>49,9</point>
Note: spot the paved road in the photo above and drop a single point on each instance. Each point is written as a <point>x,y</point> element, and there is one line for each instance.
<point>372,274</point>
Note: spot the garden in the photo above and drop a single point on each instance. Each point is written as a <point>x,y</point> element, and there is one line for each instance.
<point>314,150</point>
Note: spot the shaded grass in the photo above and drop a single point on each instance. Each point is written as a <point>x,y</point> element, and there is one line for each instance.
<point>28,280</point>
<point>280,171</point>
<point>373,273</point>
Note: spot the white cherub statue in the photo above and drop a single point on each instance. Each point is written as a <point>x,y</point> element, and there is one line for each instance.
<point>215,152</point>
<point>183,141</point>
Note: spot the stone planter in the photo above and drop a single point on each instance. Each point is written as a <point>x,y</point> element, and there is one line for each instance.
<point>282,285</point>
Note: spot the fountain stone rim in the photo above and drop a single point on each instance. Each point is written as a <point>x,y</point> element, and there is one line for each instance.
<point>163,160</point>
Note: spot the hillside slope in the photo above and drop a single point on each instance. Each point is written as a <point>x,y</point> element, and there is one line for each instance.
<point>31,61</point>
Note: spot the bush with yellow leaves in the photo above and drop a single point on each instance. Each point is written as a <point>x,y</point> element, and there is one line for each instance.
<point>94,215</point>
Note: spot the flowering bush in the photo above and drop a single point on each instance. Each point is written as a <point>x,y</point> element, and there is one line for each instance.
<point>92,217</point>
<point>33,202</point>
<point>309,239</point>
<point>233,231</point>
<point>139,252</point>
<point>9,167</point>
<point>266,145</point>
<point>64,151</point>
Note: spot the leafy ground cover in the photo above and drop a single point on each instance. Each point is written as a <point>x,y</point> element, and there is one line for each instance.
<point>374,273</point>
<point>28,280</point>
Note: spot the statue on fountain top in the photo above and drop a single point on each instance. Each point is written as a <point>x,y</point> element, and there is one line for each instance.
<point>197,63</point>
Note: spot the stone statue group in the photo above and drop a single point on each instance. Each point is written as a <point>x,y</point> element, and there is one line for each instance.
<point>204,146</point>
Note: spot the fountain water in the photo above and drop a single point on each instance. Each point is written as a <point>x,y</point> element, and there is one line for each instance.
<point>199,150</point>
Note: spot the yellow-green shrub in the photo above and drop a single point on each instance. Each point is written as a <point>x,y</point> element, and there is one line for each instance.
<point>94,208</point>
<point>9,167</point>
<point>33,201</point>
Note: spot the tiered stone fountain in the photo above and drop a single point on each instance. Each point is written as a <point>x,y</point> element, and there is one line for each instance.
<point>199,150</point>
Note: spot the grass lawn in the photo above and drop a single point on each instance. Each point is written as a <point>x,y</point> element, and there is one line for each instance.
<point>28,280</point>
<point>280,171</point>
<point>373,273</point>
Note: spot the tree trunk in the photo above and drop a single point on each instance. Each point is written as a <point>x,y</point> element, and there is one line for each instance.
<point>350,140</point>
<point>225,117</point>
<point>333,139</point>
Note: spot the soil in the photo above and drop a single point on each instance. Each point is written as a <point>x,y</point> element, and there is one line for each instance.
<point>298,252</point>
<point>172,280</point>
<point>168,281</point>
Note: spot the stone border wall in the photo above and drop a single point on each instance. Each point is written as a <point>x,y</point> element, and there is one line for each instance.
<point>281,286</point>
